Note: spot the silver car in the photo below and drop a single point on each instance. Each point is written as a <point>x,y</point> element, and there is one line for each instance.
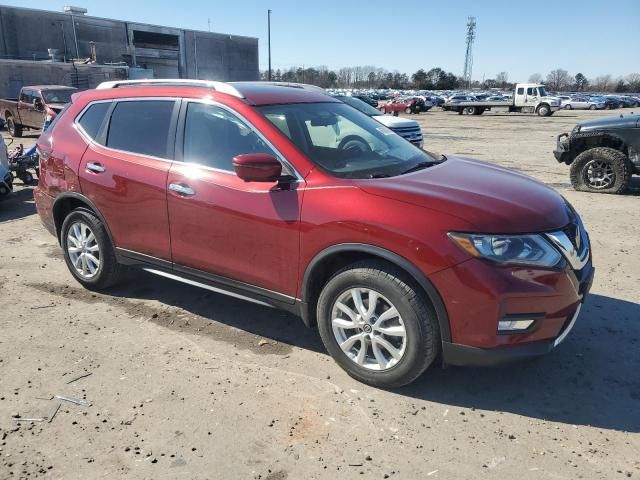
<point>582,103</point>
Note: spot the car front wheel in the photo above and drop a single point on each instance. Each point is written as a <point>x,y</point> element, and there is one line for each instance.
<point>602,170</point>
<point>88,251</point>
<point>377,325</point>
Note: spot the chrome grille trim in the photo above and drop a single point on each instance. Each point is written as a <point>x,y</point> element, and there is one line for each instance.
<point>573,243</point>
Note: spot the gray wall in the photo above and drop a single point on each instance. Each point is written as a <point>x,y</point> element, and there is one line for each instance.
<point>14,74</point>
<point>27,34</point>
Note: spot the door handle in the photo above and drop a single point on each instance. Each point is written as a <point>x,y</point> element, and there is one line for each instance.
<point>95,167</point>
<point>181,189</point>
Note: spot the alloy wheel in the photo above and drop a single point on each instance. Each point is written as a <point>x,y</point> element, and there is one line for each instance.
<point>83,250</point>
<point>369,329</point>
<point>599,175</point>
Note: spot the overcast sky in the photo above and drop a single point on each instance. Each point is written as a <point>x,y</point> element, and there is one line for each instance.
<point>592,37</point>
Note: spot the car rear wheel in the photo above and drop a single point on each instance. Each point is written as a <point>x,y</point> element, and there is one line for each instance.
<point>469,110</point>
<point>407,110</point>
<point>592,107</point>
<point>88,251</point>
<point>602,170</point>
<point>14,129</point>
<point>568,107</point>
<point>377,325</point>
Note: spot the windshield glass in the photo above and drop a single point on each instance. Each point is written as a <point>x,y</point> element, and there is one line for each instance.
<point>543,91</point>
<point>344,141</point>
<point>57,96</point>
<point>364,107</point>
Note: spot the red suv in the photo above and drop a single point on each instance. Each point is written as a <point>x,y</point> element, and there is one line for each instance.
<point>398,255</point>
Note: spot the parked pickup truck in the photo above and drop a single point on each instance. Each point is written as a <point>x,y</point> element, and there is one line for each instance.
<point>527,98</point>
<point>35,105</point>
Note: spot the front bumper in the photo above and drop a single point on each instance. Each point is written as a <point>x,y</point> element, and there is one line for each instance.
<point>464,355</point>
<point>563,146</point>
<point>477,295</point>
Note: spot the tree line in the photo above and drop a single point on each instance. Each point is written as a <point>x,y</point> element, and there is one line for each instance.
<point>371,77</point>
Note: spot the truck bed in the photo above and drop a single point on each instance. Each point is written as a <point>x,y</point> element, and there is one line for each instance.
<point>479,103</point>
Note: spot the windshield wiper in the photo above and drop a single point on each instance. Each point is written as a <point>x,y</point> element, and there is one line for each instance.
<point>379,175</point>
<point>419,166</point>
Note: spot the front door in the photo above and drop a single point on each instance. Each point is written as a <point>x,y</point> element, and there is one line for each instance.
<point>124,172</point>
<point>532,96</point>
<point>29,114</point>
<point>246,232</point>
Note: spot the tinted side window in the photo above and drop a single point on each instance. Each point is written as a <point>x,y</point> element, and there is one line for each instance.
<point>213,136</point>
<point>520,91</point>
<point>141,127</point>
<point>531,91</point>
<point>92,118</point>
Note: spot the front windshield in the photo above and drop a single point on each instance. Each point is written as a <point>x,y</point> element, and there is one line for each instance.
<point>57,96</point>
<point>346,142</point>
<point>543,91</point>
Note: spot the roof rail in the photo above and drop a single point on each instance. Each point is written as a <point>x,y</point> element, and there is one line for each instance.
<point>304,86</point>
<point>221,87</point>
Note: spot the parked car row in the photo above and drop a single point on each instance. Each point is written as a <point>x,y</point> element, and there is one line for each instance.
<point>599,102</point>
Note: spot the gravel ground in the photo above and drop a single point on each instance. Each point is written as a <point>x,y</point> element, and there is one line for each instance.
<point>185,383</point>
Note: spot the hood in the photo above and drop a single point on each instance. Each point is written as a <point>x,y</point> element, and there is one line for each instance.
<point>615,121</point>
<point>395,122</point>
<point>491,198</point>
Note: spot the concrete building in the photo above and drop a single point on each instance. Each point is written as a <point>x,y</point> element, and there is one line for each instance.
<point>147,50</point>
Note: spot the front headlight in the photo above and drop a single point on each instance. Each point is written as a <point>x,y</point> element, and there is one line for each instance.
<point>531,250</point>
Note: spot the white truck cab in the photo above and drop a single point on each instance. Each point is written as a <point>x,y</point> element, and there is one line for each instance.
<point>533,97</point>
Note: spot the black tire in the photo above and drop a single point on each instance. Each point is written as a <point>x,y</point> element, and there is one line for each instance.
<point>383,110</point>
<point>395,113</point>
<point>14,129</point>
<point>610,159</point>
<point>26,177</point>
<point>408,110</point>
<point>419,318</point>
<point>109,270</point>
<point>592,107</point>
<point>568,107</point>
<point>544,110</point>
<point>470,110</point>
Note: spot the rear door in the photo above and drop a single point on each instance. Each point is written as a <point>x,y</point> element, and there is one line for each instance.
<point>124,170</point>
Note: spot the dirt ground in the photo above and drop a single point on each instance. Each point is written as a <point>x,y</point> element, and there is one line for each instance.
<point>185,383</point>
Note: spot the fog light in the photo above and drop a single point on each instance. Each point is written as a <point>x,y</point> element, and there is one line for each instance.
<point>514,325</point>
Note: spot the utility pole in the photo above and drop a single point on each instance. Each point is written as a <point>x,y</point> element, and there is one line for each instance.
<point>269,39</point>
<point>468,58</point>
<point>209,23</point>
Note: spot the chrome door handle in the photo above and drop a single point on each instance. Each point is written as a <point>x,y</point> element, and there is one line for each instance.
<point>181,189</point>
<point>95,167</point>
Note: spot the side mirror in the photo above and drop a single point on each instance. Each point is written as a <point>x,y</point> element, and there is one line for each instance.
<point>257,167</point>
<point>37,104</point>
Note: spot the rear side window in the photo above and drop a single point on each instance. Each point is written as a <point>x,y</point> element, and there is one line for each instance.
<point>141,127</point>
<point>520,91</point>
<point>92,118</point>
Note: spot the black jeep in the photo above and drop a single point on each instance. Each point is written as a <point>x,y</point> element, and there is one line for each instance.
<point>603,153</point>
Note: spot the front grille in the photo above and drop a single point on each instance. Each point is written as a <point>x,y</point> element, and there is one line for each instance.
<point>413,134</point>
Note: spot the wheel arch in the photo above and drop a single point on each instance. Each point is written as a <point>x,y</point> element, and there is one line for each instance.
<point>331,259</point>
<point>583,142</point>
<point>69,201</point>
